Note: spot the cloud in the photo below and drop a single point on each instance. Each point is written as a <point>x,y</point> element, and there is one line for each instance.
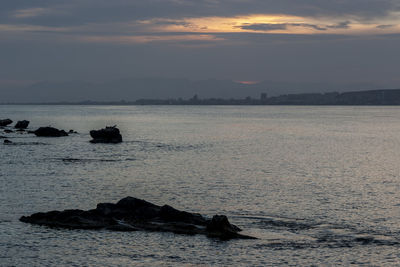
<point>31,12</point>
<point>143,39</point>
<point>133,20</point>
<point>78,12</point>
<point>340,25</point>
<point>306,25</point>
<point>385,26</point>
<point>278,26</point>
<point>263,27</point>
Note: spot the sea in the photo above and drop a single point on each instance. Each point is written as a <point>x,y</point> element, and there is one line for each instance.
<point>317,185</point>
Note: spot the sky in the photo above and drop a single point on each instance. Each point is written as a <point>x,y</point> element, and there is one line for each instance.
<point>246,41</point>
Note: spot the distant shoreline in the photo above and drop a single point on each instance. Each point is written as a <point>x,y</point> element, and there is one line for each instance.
<point>383,97</point>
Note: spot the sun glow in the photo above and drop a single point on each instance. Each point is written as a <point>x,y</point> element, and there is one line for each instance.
<point>271,23</point>
<point>217,24</point>
<point>247,82</point>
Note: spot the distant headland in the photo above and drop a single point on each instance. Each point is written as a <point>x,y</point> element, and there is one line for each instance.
<point>370,97</point>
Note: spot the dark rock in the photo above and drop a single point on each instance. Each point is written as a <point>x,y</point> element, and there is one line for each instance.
<point>220,227</point>
<point>137,208</point>
<point>22,124</point>
<point>73,219</point>
<point>132,214</point>
<point>49,132</point>
<point>106,135</point>
<point>105,209</point>
<point>8,131</point>
<point>171,214</point>
<point>5,122</point>
<point>132,203</point>
<point>72,132</point>
<point>2,137</point>
<point>7,142</point>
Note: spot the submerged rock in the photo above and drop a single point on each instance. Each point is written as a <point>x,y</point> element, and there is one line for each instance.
<point>22,124</point>
<point>5,122</point>
<point>72,132</point>
<point>8,131</point>
<point>132,214</point>
<point>49,132</point>
<point>106,135</point>
<point>7,142</point>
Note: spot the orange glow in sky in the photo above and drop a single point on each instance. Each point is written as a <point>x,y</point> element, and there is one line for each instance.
<point>272,23</point>
<point>248,82</point>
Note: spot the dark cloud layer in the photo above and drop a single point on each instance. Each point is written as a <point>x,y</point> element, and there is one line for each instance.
<point>340,25</point>
<point>385,26</point>
<point>279,26</point>
<point>78,12</point>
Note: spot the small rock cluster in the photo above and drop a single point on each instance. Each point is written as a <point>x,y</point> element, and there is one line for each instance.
<point>107,135</point>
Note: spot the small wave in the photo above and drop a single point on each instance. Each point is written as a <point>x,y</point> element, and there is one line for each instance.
<point>148,146</point>
<point>280,222</point>
<point>286,245</point>
<point>291,225</point>
<point>88,160</point>
<point>330,242</point>
<point>355,239</point>
<point>27,144</point>
<point>303,234</point>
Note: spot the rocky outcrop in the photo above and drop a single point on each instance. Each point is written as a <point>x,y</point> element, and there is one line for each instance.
<point>7,142</point>
<point>220,227</point>
<point>132,214</point>
<point>22,124</point>
<point>5,122</point>
<point>49,132</point>
<point>106,135</point>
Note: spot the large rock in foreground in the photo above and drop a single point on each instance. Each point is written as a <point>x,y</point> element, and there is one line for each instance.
<point>106,135</point>
<point>132,214</point>
<point>5,122</point>
<point>49,132</point>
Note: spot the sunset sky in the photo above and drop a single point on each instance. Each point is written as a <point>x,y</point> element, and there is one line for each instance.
<point>239,40</point>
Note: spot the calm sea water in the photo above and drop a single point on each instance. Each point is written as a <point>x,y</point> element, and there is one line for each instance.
<point>316,185</point>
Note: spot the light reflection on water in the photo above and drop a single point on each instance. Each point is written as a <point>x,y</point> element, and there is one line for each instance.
<point>317,185</point>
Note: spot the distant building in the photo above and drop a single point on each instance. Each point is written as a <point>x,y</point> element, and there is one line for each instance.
<point>263,96</point>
